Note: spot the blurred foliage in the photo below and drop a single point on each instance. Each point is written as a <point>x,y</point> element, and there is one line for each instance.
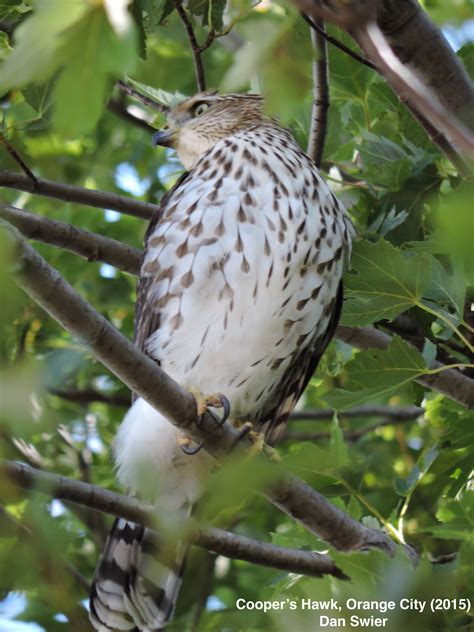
<point>412,274</point>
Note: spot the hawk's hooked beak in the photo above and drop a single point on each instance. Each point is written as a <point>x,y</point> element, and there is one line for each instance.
<point>163,137</point>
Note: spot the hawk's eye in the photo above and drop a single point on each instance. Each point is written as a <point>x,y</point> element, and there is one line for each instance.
<point>200,109</point>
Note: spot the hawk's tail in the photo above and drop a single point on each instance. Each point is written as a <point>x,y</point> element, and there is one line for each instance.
<point>134,587</point>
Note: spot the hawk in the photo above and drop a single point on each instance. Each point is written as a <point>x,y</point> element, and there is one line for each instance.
<point>239,292</point>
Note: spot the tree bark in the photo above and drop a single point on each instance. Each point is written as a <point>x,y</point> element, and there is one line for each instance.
<point>211,538</point>
<point>421,45</point>
<point>84,243</point>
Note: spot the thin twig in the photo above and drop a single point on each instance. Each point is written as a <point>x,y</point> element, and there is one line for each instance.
<point>354,435</point>
<point>91,246</point>
<point>319,114</point>
<point>335,42</point>
<point>392,412</point>
<point>216,540</point>
<point>18,159</point>
<point>196,49</point>
<point>78,195</point>
<point>146,100</point>
<point>120,109</point>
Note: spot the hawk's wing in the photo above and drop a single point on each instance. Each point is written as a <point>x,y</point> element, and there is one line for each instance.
<point>274,415</point>
<point>147,317</point>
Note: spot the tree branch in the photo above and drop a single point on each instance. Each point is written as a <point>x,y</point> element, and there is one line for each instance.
<point>335,42</point>
<point>196,49</point>
<point>418,85</point>
<point>354,435</point>
<point>88,396</point>
<point>420,44</point>
<point>91,246</point>
<point>435,135</point>
<point>319,114</point>
<point>146,100</point>
<point>392,412</point>
<point>120,109</point>
<point>92,520</point>
<point>144,377</point>
<point>18,159</point>
<point>450,382</point>
<point>216,540</point>
<point>78,195</point>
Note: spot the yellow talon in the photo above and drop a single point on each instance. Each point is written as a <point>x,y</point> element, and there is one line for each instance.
<point>184,440</point>
<point>214,400</point>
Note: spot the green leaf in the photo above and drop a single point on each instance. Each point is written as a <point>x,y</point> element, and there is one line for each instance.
<point>96,51</point>
<point>136,10</point>
<point>338,447</point>
<point>216,13</point>
<point>383,282</point>
<point>447,288</point>
<point>405,487</point>
<point>375,374</point>
<point>38,41</point>
<point>429,353</point>
<point>457,517</point>
<point>5,48</point>
<point>389,163</point>
<point>261,36</point>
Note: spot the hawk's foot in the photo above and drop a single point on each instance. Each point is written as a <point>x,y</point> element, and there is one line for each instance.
<point>185,441</point>
<point>257,439</point>
<point>215,400</point>
<point>258,443</point>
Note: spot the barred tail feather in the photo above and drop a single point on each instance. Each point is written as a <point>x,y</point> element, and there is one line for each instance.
<point>133,589</point>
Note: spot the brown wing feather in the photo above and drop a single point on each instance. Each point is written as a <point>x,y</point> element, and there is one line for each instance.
<point>147,320</point>
<point>275,413</point>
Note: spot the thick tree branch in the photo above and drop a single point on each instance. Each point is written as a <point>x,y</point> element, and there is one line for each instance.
<point>216,540</point>
<point>78,195</point>
<point>435,135</point>
<point>88,396</point>
<point>420,44</point>
<point>450,382</point>
<point>415,82</point>
<point>146,379</point>
<point>91,246</point>
<point>319,114</point>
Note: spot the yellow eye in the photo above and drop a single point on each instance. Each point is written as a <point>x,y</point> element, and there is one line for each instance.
<point>200,109</point>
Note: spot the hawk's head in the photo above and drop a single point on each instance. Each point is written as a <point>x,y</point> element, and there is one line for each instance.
<point>196,124</point>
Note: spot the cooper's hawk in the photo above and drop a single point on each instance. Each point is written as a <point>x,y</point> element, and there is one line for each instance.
<point>240,293</point>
